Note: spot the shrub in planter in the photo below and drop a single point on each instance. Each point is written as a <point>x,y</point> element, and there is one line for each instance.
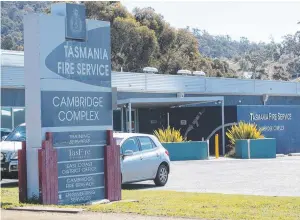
<point>248,142</point>
<point>169,135</point>
<point>179,148</point>
<point>243,131</point>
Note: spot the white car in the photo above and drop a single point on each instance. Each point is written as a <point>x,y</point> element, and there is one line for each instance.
<point>142,158</point>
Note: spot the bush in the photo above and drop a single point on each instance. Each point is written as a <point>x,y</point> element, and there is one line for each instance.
<point>168,135</point>
<point>243,131</point>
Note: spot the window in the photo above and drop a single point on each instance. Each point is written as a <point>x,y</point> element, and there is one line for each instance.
<point>18,134</point>
<point>6,118</point>
<point>146,143</point>
<point>130,144</point>
<point>12,117</point>
<point>19,116</point>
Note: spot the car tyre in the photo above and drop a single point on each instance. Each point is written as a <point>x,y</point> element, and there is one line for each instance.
<point>162,175</point>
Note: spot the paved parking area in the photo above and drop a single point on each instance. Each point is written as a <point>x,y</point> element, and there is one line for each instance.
<point>270,177</point>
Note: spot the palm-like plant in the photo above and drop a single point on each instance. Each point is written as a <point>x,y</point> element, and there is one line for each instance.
<point>168,135</point>
<point>243,131</point>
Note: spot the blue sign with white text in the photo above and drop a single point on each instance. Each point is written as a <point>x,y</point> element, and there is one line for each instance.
<point>60,108</point>
<point>78,138</point>
<point>280,122</point>
<point>81,196</point>
<point>80,153</point>
<point>80,157</point>
<point>80,167</point>
<point>88,62</point>
<point>80,182</point>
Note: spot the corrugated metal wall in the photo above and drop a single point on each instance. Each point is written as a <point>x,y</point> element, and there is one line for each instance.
<point>192,84</point>
<point>12,76</point>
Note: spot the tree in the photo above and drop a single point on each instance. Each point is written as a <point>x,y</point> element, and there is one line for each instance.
<point>255,58</point>
<point>280,73</point>
<point>7,43</point>
<point>149,18</point>
<point>133,45</point>
<point>293,67</point>
<point>140,39</point>
<point>105,10</point>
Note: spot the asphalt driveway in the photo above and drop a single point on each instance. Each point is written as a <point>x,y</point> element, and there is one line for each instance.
<point>270,177</point>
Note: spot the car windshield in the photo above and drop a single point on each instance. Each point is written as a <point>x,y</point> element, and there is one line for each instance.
<point>18,134</point>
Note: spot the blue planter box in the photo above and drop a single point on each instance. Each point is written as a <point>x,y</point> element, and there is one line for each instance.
<point>258,148</point>
<point>193,150</point>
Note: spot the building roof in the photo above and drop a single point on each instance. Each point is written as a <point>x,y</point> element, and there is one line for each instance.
<point>12,58</point>
<point>12,76</point>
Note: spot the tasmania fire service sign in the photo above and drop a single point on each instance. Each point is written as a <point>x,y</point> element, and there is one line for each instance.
<point>68,93</point>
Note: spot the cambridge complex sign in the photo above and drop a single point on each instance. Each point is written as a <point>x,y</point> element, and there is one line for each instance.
<point>68,93</point>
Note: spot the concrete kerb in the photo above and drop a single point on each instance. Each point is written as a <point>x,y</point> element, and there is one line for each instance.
<point>65,210</point>
<point>106,201</point>
<point>47,209</point>
<point>294,154</point>
<point>212,158</point>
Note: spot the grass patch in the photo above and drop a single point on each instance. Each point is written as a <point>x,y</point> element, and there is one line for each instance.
<point>180,204</point>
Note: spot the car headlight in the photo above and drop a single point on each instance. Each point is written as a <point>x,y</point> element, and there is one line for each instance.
<point>14,156</point>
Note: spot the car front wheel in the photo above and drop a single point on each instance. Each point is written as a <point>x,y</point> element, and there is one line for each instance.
<point>161,176</point>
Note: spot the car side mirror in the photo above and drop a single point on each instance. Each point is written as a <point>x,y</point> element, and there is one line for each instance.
<point>3,138</point>
<point>128,153</point>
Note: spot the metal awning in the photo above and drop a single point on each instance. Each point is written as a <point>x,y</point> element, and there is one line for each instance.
<point>167,102</point>
<point>171,102</point>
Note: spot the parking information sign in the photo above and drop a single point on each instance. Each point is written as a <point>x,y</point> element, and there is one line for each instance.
<point>68,93</point>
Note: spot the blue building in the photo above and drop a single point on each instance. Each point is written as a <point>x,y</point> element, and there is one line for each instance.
<point>197,105</point>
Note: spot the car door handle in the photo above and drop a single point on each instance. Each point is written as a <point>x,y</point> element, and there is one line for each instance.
<point>141,157</point>
<point>157,154</point>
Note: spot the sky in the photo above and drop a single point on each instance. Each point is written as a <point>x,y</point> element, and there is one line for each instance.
<point>256,20</point>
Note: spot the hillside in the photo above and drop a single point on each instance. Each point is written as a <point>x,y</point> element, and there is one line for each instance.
<point>144,38</point>
<point>12,21</point>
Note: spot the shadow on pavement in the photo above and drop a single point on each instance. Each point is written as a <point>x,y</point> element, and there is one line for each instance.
<point>137,186</point>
